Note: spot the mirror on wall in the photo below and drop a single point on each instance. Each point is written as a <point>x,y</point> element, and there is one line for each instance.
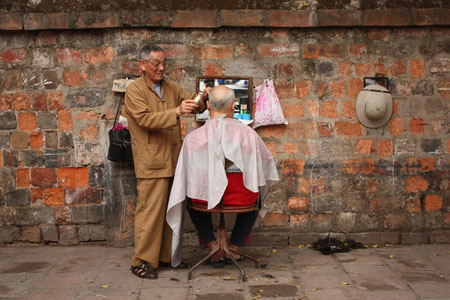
<point>242,87</point>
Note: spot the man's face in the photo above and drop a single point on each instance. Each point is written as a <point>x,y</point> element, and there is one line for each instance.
<point>155,67</point>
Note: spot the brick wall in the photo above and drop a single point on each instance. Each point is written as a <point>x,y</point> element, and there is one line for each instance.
<point>375,185</point>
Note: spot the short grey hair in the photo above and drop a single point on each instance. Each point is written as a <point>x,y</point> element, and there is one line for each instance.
<point>145,52</point>
<point>219,101</point>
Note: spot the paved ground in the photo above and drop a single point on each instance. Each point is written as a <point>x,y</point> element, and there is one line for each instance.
<point>95,272</point>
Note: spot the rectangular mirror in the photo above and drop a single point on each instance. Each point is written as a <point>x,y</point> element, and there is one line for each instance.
<point>242,87</point>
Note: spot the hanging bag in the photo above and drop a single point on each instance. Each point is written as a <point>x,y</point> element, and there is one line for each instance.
<point>119,141</point>
<point>268,108</point>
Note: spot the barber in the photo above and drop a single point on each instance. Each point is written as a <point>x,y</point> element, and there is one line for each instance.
<point>153,105</point>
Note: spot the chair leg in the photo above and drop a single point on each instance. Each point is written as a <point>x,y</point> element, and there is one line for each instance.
<point>202,261</point>
<point>255,260</point>
<point>243,276</point>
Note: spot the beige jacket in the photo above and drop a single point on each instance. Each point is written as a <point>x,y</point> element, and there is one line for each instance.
<point>154,126</point>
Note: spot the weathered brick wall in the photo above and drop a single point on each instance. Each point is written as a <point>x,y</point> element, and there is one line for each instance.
<point>376,185</point>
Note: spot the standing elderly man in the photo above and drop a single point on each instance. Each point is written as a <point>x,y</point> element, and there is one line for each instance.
<point>223,158</point>
<point>153,106</point>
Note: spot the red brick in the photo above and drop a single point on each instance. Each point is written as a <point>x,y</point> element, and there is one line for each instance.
<point>14,80</point>
<point>321,89</point>
<point>430,16</point>
<point>302,129</point>
<point>325,129</point>
<point>10,21</point>
<point>311,50</point>
<point>75,77</point>
<point>348,109</point>
<point>55,99</point>
<point>21,101</point>
<point>99,55</point>
<point>90,134</point>
<point>293,110</point>
<point>63,214</point>
<point>19,140</point>
<point>284,89</point>
<point>46,38</point>
<point>53,196</point>
<point>13,56</point>
<point>443,88</point>
<point>365,146</point>
<point>417,126</point>
<point>332,51</point>
<point>36,195</point>
<point>312,108</point>
<point>338,89</point>
<point>43,177</point>
<point>287,69</point>
<point>298,203</point>
<point>68,56</point>
<point>23,177</point>
<point>357,50</point>
<point>413,184</point>
<point>73,177</point>
<point>31,234</point>
<point>98,19</point>
<point>36,140</point>
<point>65,121</point>
<point>345,68</point>
<point>379,34</point>
<point>276,220</point>
<point>397,126</point>
<point>384,148</point>
<point>194,19</point>
<point>174,50</point>
<point>1,160</point>
<point>213,51</point>
<point>300,220</point>
<point>242,18</point>
<point>376,204</point>
<point>433,202</point>
<point>275,131</point>
<point>387,17</point>
<point>27,121</point>
<point>87,116</point>
<point>394,221</point>
<point>6,101</point>
<point>417,67</point>
<point>380,68</point>
<point>398,68</point>
<point>290,18</point>
<point>363,69</point>
<point>355,85</point>
<point>131,68</point>
<point>329,109</point>
<point>272,147</point>
<point>175,73</point>
<point>213,70</point>
<point>321,221</point>
<point>350,166</point>
<point>99,77</point>
<point>290,148</point>
<point>58,20</point>
<point>427,164</point>
<point>367,165</point>
<point>292,166</point>
<point>338,17</point>
<point>277,50</point>
<point>40,101</point>
<point>303,88</point>
<point>348,128</point>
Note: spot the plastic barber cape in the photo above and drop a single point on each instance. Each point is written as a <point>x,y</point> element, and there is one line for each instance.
<point>200,172</point>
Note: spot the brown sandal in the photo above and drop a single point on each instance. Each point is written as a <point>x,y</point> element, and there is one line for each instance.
<point>144,270</point>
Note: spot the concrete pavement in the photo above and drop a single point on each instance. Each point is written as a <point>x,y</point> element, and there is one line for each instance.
<point>100,272</point>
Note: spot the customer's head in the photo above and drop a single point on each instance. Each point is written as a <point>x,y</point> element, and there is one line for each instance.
<point>221,100</point>
<point>153,62</point>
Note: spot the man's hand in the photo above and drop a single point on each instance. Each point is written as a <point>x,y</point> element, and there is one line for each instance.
<point>186,107</point>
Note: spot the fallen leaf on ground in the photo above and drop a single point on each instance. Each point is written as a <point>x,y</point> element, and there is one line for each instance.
<point>106,286</point>
<point>314,289</point>
<point>260,291</point>
<point>299,285</point>
<point>274,250</point>
<point>345,283</point>
<point>391,256</point>
<point>229,278</point>
<point>256,297</point>
<point>301,246</point>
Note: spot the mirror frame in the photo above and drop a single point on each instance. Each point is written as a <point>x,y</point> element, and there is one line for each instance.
<point>250,89</point>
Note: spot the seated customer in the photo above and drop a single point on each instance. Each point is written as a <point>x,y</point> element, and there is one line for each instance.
<point>223,158</point>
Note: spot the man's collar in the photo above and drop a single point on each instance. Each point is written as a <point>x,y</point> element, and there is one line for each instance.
<point>149,84</point>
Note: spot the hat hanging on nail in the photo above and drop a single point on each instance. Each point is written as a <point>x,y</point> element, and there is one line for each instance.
<point>374,106</point>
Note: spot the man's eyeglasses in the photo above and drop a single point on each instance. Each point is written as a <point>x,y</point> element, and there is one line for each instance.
<point>156,65</point>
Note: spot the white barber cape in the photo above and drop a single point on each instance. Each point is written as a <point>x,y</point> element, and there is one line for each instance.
<point>200,172</point>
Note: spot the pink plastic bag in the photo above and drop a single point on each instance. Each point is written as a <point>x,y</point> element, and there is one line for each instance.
<point>268,108</point>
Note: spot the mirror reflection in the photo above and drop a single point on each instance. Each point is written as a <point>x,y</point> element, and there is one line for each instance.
<point>242,87</point>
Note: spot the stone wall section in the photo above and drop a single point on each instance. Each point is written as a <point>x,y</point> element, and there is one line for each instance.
<point>375,185</point>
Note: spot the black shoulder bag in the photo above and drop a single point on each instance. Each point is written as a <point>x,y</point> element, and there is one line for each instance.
<point>119,141</point>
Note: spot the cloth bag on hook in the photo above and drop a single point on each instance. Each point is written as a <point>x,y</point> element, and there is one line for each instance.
<point>268,108</point>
